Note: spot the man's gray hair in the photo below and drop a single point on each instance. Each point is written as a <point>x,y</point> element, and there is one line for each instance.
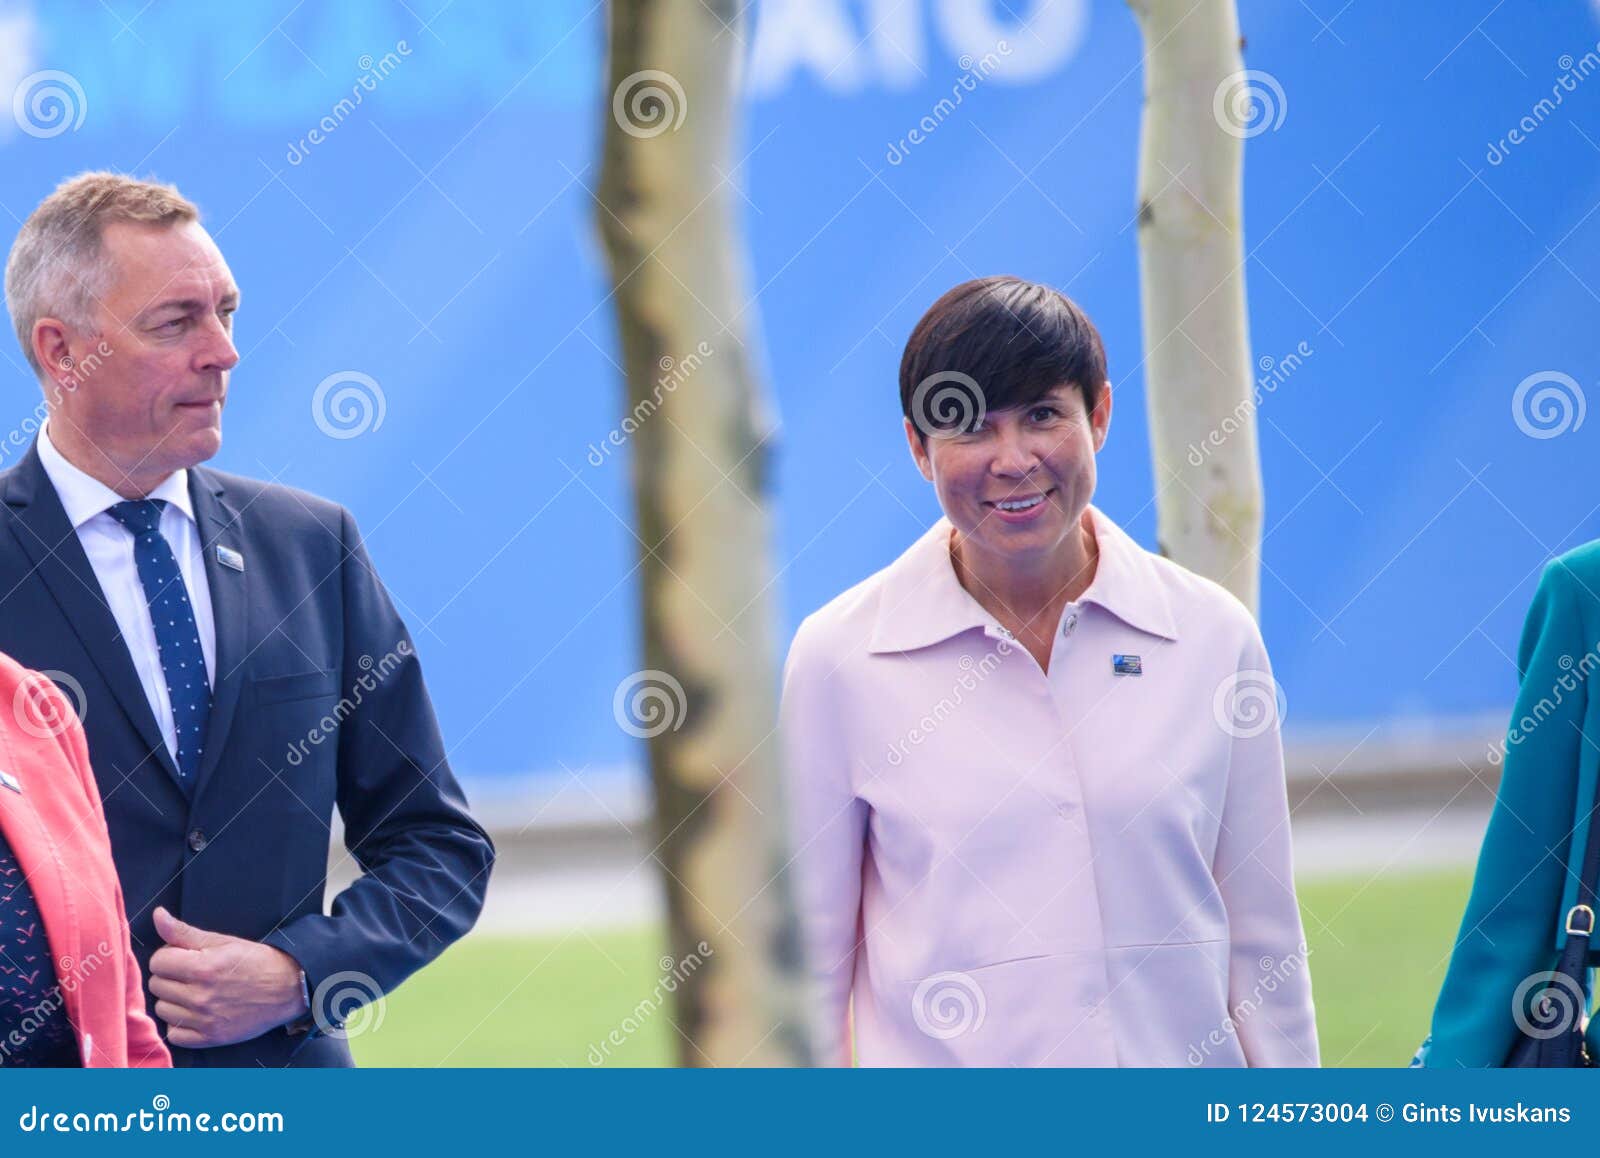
<point>56,268</point>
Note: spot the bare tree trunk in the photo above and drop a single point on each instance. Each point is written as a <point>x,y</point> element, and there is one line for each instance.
<point>699,428</point>
<point>1191,262</point>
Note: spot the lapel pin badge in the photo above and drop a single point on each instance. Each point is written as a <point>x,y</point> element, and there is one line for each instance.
<point>11,782</point>
<point>1126,665</point>
<point>228,557</point>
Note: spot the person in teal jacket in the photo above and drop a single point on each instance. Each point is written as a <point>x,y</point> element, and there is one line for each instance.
<point>1516,918</point>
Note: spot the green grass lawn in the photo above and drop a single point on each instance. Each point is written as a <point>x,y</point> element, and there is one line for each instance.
<point>1378,952</point>
<point>1378,956</point>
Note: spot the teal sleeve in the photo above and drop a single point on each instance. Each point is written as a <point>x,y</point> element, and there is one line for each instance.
<point>1508,931</point>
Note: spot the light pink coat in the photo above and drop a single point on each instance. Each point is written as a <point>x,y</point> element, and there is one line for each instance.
<point>1005,867</point>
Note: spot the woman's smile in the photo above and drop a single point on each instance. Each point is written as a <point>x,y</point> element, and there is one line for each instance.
<point>1020,509</point>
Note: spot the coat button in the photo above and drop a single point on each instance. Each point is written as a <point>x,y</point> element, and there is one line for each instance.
<point>198,840</point>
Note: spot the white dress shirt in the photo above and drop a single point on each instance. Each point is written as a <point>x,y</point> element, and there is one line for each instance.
<point>109,546</point>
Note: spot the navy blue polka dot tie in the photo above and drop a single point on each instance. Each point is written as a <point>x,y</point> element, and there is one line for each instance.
<point>177,636</point>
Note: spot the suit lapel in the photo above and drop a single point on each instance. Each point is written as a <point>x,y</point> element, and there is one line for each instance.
<point>218,521</point>
<point>40,526</point>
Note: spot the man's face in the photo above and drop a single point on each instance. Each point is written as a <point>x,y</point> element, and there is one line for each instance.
<point>1042,454</point>
<point>153,404</point>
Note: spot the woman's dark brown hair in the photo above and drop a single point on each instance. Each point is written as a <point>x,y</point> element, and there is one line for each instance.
<point>995,343</point>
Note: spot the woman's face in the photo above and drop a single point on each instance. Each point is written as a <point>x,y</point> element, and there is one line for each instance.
<point>1016,487</point>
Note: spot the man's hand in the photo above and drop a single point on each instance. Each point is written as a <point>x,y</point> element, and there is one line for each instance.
<point>212,989</point>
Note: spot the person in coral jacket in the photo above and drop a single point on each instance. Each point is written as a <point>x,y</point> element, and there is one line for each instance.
<point>70,990</point>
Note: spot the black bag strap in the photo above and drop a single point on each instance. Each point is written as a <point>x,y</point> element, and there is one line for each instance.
<point>1571,973</point>
<point>1563,1047</point>
<point>1580,919</point>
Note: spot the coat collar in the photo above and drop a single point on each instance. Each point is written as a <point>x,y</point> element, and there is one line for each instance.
<point>83,496</point>
<point>46,534</point>
<point>922,601</point>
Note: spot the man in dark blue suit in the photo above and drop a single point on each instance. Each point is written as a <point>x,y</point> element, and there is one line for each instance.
<point>240,669</point>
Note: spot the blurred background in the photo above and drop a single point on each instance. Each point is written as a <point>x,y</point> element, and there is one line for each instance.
<point>428,337</point>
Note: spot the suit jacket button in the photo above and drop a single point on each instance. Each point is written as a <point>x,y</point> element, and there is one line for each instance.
<point>197,840</point>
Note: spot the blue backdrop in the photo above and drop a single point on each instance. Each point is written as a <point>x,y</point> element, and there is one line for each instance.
<point>1416,217</point>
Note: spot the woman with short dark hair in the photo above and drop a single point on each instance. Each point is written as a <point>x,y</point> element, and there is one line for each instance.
<point>1034,771</point>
